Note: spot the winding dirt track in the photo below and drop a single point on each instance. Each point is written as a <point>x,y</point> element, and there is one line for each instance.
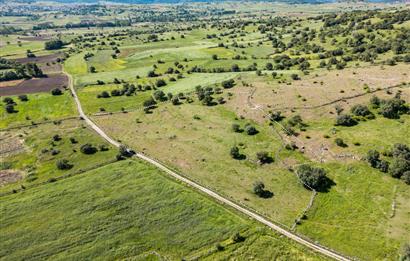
<point>314,246</point>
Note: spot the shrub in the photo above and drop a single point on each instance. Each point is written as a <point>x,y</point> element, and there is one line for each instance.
<point>345,120</point>
<point>56,91</point>
<point>235,154</point>
<point>236,127</point>
<point>8,100</point>
<point>63,164</point>
<point>150,102</point>
<point>259,190</point>
<point>339,142</point>
<point>263,157</point>
<point>160,83</point>
<point>88,149</point>
<point>373,157</point>
<point>9,108</point>
<point>228,84</point>
<point>398,167</point>
<point>23,97</point>
<point>294,76</point>
<point>250,130</point>
<point>175,101</point>
<point>276,116</point>
<point>406,177</point>
<point>53,44</point>
<point>125,152</point>
<point>313,178</point>
<point>237,238</point>
<point>392,109</point>
<point>56,137</point>
<point>361,110</point>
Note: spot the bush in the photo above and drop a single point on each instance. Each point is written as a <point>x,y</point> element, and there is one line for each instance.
<point>237,238</point>
<point>313,178</point>
<point>339,142</point>
<point>63,164</point>
<point>345,120</point>
<point>235,154</point>
<point>9,100</point>
<point>236,127</point>
<point>263,157</point>
<point>276,116</point>
<point>228,84</point>
<point>160,83</point>
<point>88,149</point>
<point>56,92</point>
<point>398,167</point>
<point>259,190</point>
<point>9,108</point>
<point>361,110</point>
<point>125,152</point>
<point>250,130</point>
<point>53,45</point>
<point>373,157</point>
<point>406,177</point>
<point>294,76</point>
<point>149,103</point>
<point>392,109</point>
<point>23,97</point>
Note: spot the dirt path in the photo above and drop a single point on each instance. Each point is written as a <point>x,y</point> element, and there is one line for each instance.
<point>223,200</point>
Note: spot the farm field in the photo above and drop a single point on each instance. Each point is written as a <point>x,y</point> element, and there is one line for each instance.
<point>295,115</point>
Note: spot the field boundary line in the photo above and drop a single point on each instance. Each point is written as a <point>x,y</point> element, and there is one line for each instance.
<point>400,85</point>
<point>38,123</point>
<point>306,242</point>
<point>54,179</point>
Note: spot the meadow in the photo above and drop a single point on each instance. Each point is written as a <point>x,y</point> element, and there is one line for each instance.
<point>39,150</point>
<point>236,96</point>
<point>129,210</point>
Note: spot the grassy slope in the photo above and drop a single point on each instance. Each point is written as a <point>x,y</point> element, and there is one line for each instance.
<point>127,210</point>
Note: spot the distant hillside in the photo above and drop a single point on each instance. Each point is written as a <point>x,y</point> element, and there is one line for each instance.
<point>187,1</point>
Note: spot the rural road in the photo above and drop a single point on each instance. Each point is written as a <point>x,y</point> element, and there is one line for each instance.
<point>288,234</point>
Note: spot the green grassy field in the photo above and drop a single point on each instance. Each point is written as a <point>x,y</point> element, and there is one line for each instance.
<point>34,157</point>
<point>39,107</point>
<point>200,149</point>
<point>92,104</point>
<point>129,211</point>
<point>353,216</point>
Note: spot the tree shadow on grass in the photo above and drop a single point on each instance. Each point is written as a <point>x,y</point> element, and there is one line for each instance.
<point>326,185</point>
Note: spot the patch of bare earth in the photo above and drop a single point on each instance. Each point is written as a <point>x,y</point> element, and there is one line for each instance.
<point>11,144</point>
<point>9,176</point>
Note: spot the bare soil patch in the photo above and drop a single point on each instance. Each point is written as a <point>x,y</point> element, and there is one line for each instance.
<point>9,176</point>
<point>10,144</point>
<point>36,85</point>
